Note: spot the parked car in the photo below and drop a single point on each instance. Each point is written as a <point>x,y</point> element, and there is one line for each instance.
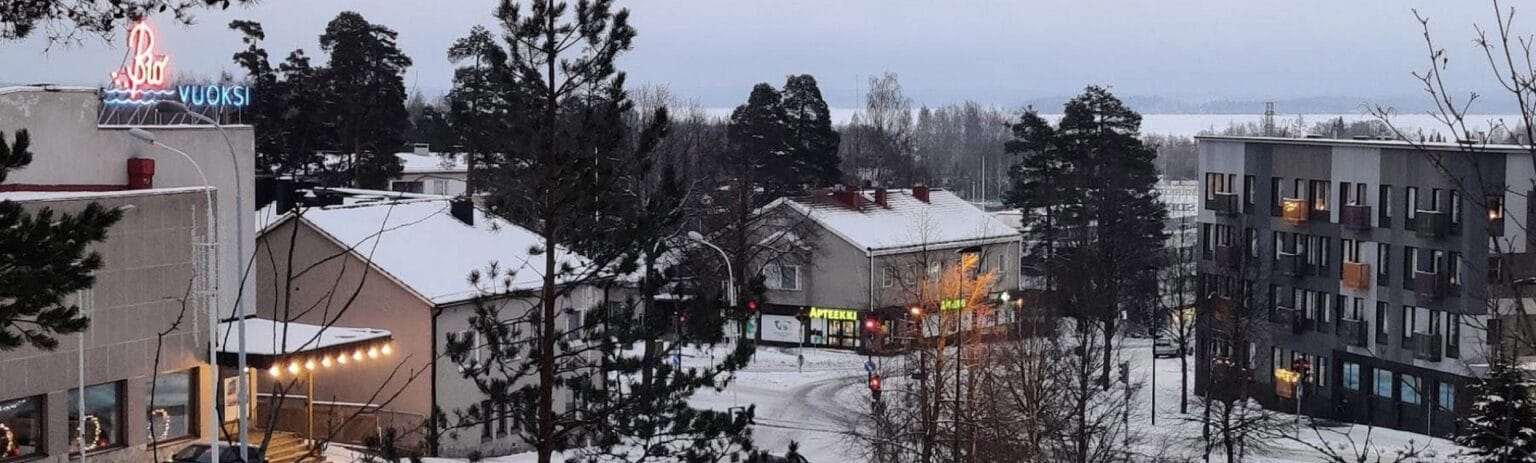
<point>198,453</point>
<point>1164,347</point>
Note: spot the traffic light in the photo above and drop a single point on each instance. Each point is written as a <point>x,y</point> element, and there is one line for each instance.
<point>1125,372</point>
<point>874,386</point>
<point>751,306</point>
<point>872,325</point>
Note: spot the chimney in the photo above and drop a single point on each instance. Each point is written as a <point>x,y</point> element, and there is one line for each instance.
<point>920,192</point>
<point>880,197</point>
<point>283,195</point>
<point>421,149</point>
<point>463,209</point>
<point>847,197</point>
<point>141,173</point>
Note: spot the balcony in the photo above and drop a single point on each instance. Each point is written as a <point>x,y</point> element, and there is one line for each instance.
<point>1224,204</point>
<point>1293,265</point>
<point>1357,275</point>
<point>1355,217</point>
<point>1353,332</point>
<point>1294,211</point>
<point>1426,346</point>
<point>1431,224</point>
<point>1429,287</point>
<point>1229,257</point>
<point>1284,315</point>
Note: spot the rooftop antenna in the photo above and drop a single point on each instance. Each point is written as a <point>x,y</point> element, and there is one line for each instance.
<point>1269,119</point>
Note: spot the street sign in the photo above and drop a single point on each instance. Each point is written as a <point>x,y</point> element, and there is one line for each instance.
<point>869,366</point>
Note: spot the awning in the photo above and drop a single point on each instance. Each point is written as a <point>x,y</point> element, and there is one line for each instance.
<point>288,347</point>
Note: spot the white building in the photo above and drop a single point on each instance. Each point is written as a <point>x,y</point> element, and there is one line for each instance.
<point>431,173</point>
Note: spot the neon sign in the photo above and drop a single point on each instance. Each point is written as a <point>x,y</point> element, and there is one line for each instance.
<point>142,80</point>
<point>833,314</point>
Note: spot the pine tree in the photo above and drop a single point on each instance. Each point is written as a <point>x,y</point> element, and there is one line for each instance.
<point>1502,425</point>
<point>559,160</point>
<point>366,101</point>
<point>760,147</point>
<point>813,142</point>
<point>43,258</point>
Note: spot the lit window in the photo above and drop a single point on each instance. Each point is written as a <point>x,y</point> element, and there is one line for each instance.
<point>102,421</point>
<point>23,422</point>
<point>172,405</point>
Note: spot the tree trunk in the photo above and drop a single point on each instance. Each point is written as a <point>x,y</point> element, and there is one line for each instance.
<point>1183,375</point>
<point>547,352</point>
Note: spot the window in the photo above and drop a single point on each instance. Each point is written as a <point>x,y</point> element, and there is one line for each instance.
<point>573,325</point>
<point>1383,383</point>
<point>1495,207</point>
<point>1410,255</point>
<point>1495,269</point>
<point>1452,335</point>
<point>1381,323</point>
<point>1276,199</point>
<point>1455,199</point>
<point>1325,307</point>
<point>1412,195</point>
<point>1453,268</point>
<point>1434,200</point>
<point>486,420</point>
<point>406,187</point>
<point>1408,389</point>
<point>1280,244</point>
<point>27,421</point>
<point>1000,264</point>
<point>102,419</point>
<point>1383,261</point>
<point>1357,310</point>
<point>887,277</point>
<point>1430,321</point>
<point>1320,371</point>
<point>1351,376</point>
<point>1350,250</point>
<point>1253,243</point>
<point>935,268</point>
<point>1319,194</point>
<point>1384,200</point>
<point>1344,189</point>
<point>439,187</point>
<point>1248,192</point>
<point>470,357</point>
<point>501,419</point>
<point>1215,183</point>
<point>1446,397</point>
<point>783,277</point>
<point>1408,323</point>
<point>1297,191</point>
<point>172,405</point>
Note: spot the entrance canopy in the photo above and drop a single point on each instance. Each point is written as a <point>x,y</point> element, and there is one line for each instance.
<point>292,347</point>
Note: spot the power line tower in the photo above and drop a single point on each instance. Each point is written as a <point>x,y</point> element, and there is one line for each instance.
<point>1269,119</point>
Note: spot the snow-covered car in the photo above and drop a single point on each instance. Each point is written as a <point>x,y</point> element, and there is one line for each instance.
<point>1165,348</point>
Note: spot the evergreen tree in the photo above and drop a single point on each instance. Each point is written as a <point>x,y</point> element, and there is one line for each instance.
<point>366,101</point>
<point>560,161</point>
<point>43,258</point>
<point>481,97</point>
<point>760,148</point>
<point>813,142</point>
<point>1092,177</point>
<point>1502,425</point>
<point>287,116</point>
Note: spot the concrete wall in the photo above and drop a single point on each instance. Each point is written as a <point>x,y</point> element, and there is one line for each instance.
<point>338,287</point>
<point>148,264</point>
<point>70,149</point>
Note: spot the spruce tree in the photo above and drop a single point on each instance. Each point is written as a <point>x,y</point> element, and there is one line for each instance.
<point>43,259</point>
<point>559,160</point>
<point>1502,425</point>
<point>760,147</point>
<point>366,101</point>
<point>813,142</point>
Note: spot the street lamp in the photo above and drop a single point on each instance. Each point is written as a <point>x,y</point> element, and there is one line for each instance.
<point>729,274</point>
<point>243,387</point>
<point>211,267</point>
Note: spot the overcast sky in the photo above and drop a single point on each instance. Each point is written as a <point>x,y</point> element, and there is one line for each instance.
<point>997,52</point>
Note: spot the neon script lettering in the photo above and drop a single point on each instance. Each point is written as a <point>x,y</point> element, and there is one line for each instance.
<point>145,69</point>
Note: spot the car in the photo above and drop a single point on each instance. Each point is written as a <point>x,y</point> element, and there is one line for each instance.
<point>1165,348</point>
<point>198,453</point>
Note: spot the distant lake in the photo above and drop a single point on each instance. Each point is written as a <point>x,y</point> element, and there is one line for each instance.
<point>1191,124</point>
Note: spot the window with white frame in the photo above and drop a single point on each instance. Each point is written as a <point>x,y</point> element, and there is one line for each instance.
<point>887,277</point>
<point>1351,376</point>
<point>782,277</point>
<point>470,357</point>
<point>1408,389</point>
<point>440,187</point>
<point>1383,383</point>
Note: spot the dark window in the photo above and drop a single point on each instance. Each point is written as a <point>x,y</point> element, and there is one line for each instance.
<point>1452,335</point>
<point>1248,192</point>
<point>1409,256</point>
<point>1319,194</point>
<point>26,423</point>
<point>1453,269</point>
<point>103,417</point>
<point>1455,209</point>
<point>172,405</point>
<point>1495,207</point>
<point>501,419</point>
<point>485,420</point>
<point>1253,243</point>
<point>1411,197</point>
<point>1276,198</point>
<point>1381,323</point>
<point>1383,263</point>
<point>1408,323</point>
<point>1215,183</point>
<point>1384,201</point>
<point>1495,269</point>
<point>1344,189</point>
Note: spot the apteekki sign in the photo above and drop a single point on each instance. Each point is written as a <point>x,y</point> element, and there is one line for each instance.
<point>833,314</point>
<point>141,81</point>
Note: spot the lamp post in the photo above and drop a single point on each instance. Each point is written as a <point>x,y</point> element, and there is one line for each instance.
<point>729,274</point>
<point>243,386</point>
<point>211,267</point>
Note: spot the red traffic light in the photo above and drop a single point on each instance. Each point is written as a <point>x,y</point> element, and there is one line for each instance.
<point>752,305</point>
<point>682,318</point>
<point>871,324</point>
<point>874,382</point>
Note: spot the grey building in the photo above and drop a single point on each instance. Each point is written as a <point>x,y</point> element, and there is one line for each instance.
<point>1374,264</point>
<point>869,256</point>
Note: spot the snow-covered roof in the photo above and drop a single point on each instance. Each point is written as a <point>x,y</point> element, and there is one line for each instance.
<point>271,337</point>
<point>420,244</point>
<point>905,222</point>
<point>416,162</point>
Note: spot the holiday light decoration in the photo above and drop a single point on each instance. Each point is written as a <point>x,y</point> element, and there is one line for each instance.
<point>96,442</point>
<point>10,441</point>
<point>274,371</point>
<point>325,361</point>
<point>373,352</point>
<point>165,421</point>
<point>386,349</point>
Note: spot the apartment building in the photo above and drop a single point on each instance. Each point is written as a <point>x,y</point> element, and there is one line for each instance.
<point>1375,264</point>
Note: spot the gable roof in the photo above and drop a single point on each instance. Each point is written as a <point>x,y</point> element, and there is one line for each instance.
<point>904,223</point>
<point>423,246</point>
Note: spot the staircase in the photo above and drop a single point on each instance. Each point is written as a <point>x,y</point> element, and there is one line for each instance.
<point>285,447</point>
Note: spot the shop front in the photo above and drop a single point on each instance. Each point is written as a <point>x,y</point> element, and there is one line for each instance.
<point>811,326</point>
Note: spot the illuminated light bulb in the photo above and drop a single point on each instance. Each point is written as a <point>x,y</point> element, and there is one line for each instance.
<point>341,359</point>
<point>309,364</point>
<point>386,349</point>
<point>274,371</point>
<point>293,367</point>
<point>357,355</point>
<point>373,352</point>
<point>326,362</point>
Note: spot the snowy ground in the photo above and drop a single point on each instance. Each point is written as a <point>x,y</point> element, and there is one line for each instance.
<point>810,407</point>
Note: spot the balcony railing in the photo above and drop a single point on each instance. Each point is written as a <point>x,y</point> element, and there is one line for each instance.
<point>1429,287</point>
<point>1229,257</point>
<point>1357,275</point>
<point>1355,217</point>
<point>1426,346</point>
<point>1431,224</point>
<point>1294,211</point>
<point>1284,315</point>
<point>1353,332</point>
<point>1223,204</point>
<point>1293,265</point>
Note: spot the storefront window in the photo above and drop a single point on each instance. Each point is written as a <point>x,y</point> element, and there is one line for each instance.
<point>172,405</point>
<point>21,428</point>
<point>102,419</point>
